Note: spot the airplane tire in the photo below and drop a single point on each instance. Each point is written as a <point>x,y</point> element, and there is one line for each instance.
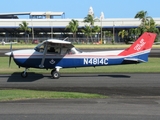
<point>52,71</point>
<point>55,74</point>
<point>24,75</point>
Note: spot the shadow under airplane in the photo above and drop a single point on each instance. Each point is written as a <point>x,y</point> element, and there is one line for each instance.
<point>15,77</point>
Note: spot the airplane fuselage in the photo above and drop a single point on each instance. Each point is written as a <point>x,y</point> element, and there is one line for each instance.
<point>56,54</point>
<point>32,59</point>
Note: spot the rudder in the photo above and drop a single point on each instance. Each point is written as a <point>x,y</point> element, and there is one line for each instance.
<point>144,42</point>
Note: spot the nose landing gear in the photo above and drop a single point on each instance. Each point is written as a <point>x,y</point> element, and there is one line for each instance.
<point>24,74</point>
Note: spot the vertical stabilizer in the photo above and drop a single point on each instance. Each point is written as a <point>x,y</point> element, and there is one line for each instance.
<point>144,42</point>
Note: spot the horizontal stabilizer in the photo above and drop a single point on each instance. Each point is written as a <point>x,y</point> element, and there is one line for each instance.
<point>132,61</point>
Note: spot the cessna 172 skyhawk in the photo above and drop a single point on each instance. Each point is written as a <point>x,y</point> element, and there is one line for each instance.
<point>56,54</point>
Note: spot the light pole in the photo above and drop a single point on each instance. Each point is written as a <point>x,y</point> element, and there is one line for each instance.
<point>101,17</point>
<point>51,30</point>
<point>113,32</point>
<point>101,30</point>
<point>32,29</point>
<point>28,37</point>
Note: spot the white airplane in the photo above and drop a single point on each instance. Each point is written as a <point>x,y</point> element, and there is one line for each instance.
<point>56,54</point>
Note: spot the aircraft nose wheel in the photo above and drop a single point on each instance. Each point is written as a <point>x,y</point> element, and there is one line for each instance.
<point>24,74</point>
<point>55,74</point>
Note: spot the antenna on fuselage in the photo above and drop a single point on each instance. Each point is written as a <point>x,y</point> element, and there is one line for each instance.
<point>65,38</point>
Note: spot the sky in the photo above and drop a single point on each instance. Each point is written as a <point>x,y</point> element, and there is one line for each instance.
<point>79,8</point>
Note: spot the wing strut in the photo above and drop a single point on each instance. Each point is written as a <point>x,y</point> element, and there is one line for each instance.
<point>44,56</point>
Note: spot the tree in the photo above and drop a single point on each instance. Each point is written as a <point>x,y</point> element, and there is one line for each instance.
<point>123,34</point>
<point>142,15</point>
<point>108,34</point>
<point>151,26</point>
<point>73,27</point>
<point>90,19</point>
<point>147,23</point>
<point>135,31</point>
<point>24,27</point>
<point>87,31</point>
<point>96,29</point>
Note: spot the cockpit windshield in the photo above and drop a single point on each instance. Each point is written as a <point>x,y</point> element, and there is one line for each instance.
<point>78,50</point>
<point>56,48</point>
<point>40,47</point>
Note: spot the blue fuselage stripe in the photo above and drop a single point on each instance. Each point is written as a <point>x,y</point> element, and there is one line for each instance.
<point>73,62</point>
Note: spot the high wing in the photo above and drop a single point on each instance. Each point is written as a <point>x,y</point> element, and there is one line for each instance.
<point>58,41</point>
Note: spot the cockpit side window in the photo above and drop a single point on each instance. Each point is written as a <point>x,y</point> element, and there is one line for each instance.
<point>63,51</point>
<point>53,48</point>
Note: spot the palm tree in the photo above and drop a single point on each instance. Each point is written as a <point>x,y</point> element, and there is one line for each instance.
<point>96,30</point>
<point>134,33</point>
<point>24,27</point>
<point>123,34</point>
<point>151,27</point>
<point>108,34</point>
<point>147,23</point>
<point>73,27</point>
<point>142,15</point>
<point>87,31</point>
<point>90,19</point>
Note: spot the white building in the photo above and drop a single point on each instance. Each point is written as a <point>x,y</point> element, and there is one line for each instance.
<point>55,22</point>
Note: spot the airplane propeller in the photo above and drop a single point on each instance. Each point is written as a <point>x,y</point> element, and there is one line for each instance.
<point>10,58</point>
<point>11,55</point>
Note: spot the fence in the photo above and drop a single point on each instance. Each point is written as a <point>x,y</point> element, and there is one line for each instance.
<point>73,40</point>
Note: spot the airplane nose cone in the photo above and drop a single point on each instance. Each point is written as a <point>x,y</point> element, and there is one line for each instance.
<point>8,53</point>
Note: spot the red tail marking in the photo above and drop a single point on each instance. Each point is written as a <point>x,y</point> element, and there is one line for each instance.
<point>145,41</point>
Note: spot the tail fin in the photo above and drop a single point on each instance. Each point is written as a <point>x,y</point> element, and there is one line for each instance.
<point>143,43</point>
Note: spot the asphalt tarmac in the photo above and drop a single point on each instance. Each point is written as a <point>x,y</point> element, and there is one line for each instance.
<point>106,84</point>
<point>82,109</point>
<point>130,96</point>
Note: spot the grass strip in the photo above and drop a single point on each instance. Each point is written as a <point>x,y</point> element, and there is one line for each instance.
<point>17,94</point>
<point>80,46</point>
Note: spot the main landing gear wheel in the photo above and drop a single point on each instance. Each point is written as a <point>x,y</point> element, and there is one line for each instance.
<point>55,74</point>
<point>24,74</point>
